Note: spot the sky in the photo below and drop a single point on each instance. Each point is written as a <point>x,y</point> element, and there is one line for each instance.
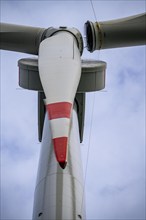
<point>113,148</point>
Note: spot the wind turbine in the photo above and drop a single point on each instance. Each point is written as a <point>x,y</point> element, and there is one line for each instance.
<point>62,79</point>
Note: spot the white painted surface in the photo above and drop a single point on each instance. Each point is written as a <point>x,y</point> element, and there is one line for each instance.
<point>59,193</point>
<point>59,127</point>
<point>59,67</point>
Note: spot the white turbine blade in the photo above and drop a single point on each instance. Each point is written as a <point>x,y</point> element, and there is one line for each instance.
<point>60,71</point>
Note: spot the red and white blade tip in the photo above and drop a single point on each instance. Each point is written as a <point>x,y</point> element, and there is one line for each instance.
<point>59,114</point>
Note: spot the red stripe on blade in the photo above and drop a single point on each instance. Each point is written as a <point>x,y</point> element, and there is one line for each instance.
<point>59,110</point>
<point>60,148</point>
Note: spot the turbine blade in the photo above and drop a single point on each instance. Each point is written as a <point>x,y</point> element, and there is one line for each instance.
<point>60,71</point>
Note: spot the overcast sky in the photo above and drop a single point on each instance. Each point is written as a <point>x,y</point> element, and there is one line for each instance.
<point>115,174</point>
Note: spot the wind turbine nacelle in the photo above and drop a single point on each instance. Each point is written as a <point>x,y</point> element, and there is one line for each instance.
<point>93,74</point>
<point>130,31</point>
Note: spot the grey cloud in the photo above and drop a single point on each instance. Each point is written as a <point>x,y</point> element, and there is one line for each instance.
<point>111,190</point>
